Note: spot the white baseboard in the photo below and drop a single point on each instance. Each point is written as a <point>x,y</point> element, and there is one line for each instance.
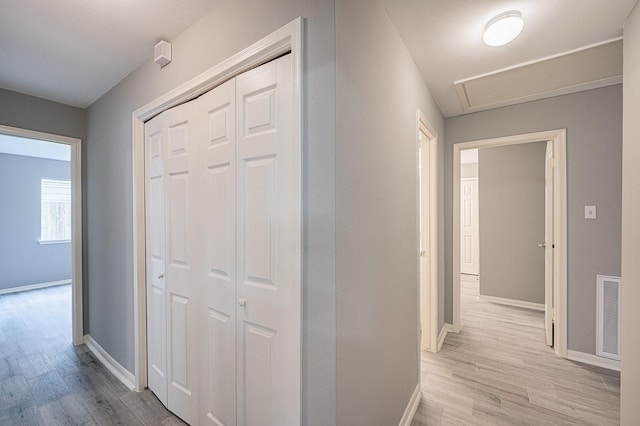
<point>34,286</point>
<point>446,328</point>
<point>598,361</point>
<point>412,407</point>
<point>513,302</point>
<point>111,364</point>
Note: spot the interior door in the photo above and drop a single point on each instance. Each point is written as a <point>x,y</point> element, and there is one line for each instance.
<point>269,247</point>
<point>155,253</point>
<point>217,272</point>
<point>182,235</point>
<point>425,243</point>
<point>549,311</point>
<point>469,230</point>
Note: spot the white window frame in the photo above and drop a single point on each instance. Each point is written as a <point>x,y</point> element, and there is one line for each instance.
<point>64,185</point>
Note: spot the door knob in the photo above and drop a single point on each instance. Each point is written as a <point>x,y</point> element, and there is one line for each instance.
<point>423,253</point>
<point>161,276</point>
<point>242,301</point>
<point>542,245</point>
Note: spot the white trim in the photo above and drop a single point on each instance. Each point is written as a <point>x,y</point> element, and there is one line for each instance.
<point>34,286</point>
<point>591,359</point>
<point>512,302</point>
<point>110,364</point>
<point>48,242</point>
<point>424,127</point>
<point>286,39</point>
<point>76,219</point>
<point>446,328</point>
<point>412,407</point>
<point>609,81</point>
<point>558,138</point>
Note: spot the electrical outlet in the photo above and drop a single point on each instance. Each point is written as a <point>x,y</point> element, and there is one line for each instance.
<point>589,212</point>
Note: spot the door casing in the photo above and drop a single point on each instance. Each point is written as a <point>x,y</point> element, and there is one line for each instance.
<point>428,316</point>
<point>287,39</point>
<point>558,139</point>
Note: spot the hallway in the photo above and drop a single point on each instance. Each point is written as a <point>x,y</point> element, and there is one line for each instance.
<point>45,380</point>
<point>499,371</point>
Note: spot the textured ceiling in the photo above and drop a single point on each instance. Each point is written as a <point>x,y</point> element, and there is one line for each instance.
<point>73,51</point>
<point>445,36</point>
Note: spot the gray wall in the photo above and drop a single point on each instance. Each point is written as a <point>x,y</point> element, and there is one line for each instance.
<point>28,112</point>
<point>41,115</point>
<point>511,215</point>
<point>378,90</point>
<point>593,120</point>
<point>23,261</point>
<point>228,28</point>
<point>629,407</point>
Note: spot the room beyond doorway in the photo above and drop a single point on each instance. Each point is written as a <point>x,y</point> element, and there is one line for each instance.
<point>52,202</point>
<point>556,249</point>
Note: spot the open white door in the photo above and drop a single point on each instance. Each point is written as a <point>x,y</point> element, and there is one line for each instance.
<point>469,227</point>
<point>549,244</point>
<point>425,245</point>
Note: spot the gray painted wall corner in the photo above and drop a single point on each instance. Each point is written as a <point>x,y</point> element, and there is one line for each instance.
<point>376,215</point>
<point>511,188</point>
<point>24,260</point>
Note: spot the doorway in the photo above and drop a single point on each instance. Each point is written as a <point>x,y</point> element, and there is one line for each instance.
<point>62,198</point>
<point>428,234</point>
<point>555,231</point>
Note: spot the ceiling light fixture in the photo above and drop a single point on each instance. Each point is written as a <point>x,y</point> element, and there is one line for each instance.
<point>503,28</point>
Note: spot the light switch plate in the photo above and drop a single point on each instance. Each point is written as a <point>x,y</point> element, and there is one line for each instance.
<point>589,212</point>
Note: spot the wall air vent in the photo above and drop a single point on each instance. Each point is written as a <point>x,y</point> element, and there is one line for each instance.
<point>587,68</point>
<point>608,311</point>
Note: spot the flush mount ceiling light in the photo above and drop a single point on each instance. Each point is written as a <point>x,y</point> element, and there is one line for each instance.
<point>503,28</point>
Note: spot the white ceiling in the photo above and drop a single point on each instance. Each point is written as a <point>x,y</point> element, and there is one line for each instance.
<point>74,51</point>
<point>445,36</point>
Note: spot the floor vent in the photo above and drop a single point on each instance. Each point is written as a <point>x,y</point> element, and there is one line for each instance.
<point>608,332</point>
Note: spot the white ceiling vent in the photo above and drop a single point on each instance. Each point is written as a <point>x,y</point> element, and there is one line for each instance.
<point>587,68</point>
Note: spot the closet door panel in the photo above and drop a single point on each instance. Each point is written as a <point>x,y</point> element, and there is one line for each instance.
<point>216,144</point>
<point>268,247</point>
<point>181,284</point>
<point>155,253</point>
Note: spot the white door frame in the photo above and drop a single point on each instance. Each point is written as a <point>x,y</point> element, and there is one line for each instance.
<point>558,138</point>
<point>286,39</point>
<point>424,127</point>
<point>76,219</point>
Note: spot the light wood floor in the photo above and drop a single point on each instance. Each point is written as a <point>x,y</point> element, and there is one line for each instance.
<point>45,380</point>
<point>499,371</point>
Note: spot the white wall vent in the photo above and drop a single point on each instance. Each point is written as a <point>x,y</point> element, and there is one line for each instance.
<point>609,315</point>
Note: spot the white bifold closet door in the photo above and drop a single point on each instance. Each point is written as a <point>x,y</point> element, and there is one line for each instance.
<point>223,180</point>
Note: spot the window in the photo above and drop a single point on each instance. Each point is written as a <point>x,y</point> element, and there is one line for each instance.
<point>55,223</point>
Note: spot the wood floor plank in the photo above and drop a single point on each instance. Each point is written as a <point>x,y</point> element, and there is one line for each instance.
<point>45,380</point>
<point>499,371</point>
